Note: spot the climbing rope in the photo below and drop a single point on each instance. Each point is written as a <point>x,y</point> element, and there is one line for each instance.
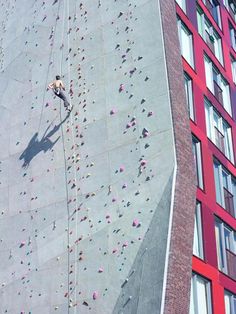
<point>74,153</point>
<point>65,163</point>
<point>49,64</point>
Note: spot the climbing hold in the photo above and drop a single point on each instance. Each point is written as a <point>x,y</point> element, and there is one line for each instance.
<point>125,244</point>
<point>135,223</point>
<point>143,162</point>
<point>122,168</point>
<point>100,270</point>
<point>121,88</point>
<point>22,244</point>
<point>113,111</point>
<point>145,132</point>
<point>95,295</point>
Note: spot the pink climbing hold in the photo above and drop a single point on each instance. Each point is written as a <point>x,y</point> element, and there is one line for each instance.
<point>122,168</point>
<point>100,270</point>
<point>128,125</point>
<point>95,295</point>
<point>113,111</point>
<point>121,88</point>
<point>125,244</point>
<point>124,186</point>
<point>143,162</point>
<point>150,113</point>
<point>114,250</point>
<point>135,223</point>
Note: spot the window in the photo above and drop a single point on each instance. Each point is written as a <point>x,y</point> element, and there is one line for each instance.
<point>217,84</point>
<point>233,67</point>
<point>196,146</point>
<point>231,7</point>
<point>209,34</point>
<point>219,131</point>
<point>232,36</point>
<point>214,7</point>
<point>225,186</point>
<point>226,248</point>
<point>230,303</point>
<point>200,298</point>
<point>197,242</point>
<point>189,94</point>
<point>186,42</point>
<point>182,4</point>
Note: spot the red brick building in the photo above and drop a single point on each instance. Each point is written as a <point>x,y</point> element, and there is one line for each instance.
<point>207,33</point>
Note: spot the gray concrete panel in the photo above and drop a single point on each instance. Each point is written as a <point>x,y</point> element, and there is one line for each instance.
<point>82,195</point>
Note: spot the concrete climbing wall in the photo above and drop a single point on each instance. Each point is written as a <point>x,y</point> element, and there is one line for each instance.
<point>85,197</point>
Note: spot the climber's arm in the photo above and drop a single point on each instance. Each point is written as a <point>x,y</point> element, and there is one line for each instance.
<point>51,85</point>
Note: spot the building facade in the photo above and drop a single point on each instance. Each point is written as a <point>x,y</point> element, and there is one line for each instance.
<point>97,205</point>
<point>207,32</point>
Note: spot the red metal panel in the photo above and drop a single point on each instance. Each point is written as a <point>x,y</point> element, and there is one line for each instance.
<point>208,268</point>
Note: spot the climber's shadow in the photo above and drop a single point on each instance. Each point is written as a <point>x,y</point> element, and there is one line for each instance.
<point>36,146</point>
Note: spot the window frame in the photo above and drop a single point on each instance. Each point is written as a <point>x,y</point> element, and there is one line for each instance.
<point>223,128</point>
<point>194,295</point>
<point>199,233</point>
<point>232,301</point>
<point>197,153</point>
<point>232,32</point>
<point>209,35</point>
<point>188,85</point>
<point>214,4</point>
<point>183,28</point>
<point>231,11</point>
<point>230,181</point>
<point>182,5</point>
<point>214,78</point>
<point>233,68</point>
<point>222,259</point>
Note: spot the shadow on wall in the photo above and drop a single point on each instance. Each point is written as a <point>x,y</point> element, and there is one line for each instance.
<point>35,145</point>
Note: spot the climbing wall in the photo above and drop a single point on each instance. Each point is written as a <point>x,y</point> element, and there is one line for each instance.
<point>85,199</point>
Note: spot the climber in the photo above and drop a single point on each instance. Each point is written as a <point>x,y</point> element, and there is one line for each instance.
<point>57,86</point>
